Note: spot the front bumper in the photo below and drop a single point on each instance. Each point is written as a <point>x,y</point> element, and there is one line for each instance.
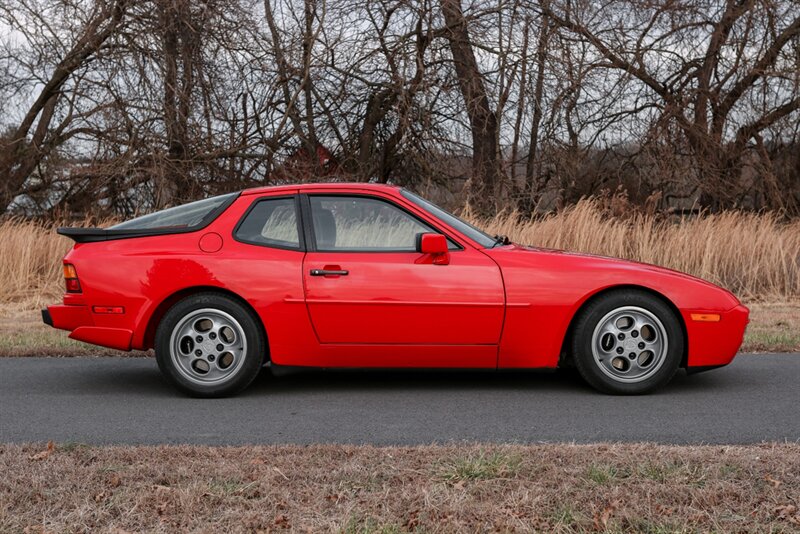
<point>714,344</point>
<point>79,321</point>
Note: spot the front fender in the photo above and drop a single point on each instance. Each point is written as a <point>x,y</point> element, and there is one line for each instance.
<point>545,289</point>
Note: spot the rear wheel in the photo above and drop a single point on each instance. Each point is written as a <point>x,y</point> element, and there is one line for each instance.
<point>627,342</point>
<point>209,345</point>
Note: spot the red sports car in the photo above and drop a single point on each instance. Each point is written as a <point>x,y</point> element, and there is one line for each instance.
<point>360,275</point>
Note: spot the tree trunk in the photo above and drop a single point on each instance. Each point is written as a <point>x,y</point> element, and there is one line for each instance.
<point>180,44</point>
<point>533,187</point>
<point>484,184</point>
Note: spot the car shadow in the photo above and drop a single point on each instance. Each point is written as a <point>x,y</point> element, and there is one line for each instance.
<point>144,379</point>
<point>301,381</point>
<point>375,380</point>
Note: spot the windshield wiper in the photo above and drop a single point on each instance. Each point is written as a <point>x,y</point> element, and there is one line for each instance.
<point>500,239</point>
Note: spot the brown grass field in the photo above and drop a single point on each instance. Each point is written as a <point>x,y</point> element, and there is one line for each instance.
<point>467,488</point>
<point>757,256</point>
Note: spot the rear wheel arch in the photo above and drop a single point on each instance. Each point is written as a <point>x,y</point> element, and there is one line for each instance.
<point>566,355</point>
<point>167,303</point>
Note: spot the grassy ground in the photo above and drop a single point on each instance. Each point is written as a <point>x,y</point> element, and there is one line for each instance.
<point>773,328</point>
<point>468,488</point>
<point>22,333</point>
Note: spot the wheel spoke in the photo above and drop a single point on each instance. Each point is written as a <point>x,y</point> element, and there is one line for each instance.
<point>214,371</point>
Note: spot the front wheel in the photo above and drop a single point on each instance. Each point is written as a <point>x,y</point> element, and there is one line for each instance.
<point>209,345</point>
<point>627,342</point>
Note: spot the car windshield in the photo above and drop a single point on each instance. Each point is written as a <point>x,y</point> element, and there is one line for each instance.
<point>185,216</point>
<point>464,227</point>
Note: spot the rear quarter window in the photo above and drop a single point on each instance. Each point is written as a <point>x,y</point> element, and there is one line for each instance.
<point>271,222</point>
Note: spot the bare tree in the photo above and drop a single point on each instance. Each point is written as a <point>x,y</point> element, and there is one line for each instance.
<point>112,106</point>
<point>703,91</point>
<point>20,154</point>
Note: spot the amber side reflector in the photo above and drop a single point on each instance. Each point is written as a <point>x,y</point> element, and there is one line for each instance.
<point>706,317</point>
<point>108,309</point>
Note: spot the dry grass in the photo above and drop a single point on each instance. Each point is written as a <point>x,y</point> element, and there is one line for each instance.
<point>773,327</point>
<point>754,255</point>
<point>30,261</point>
<point>468,488</point>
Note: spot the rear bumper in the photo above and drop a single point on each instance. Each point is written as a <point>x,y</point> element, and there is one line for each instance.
<point>78,320</point>
<point>67,316</point>
<point>46,319</point>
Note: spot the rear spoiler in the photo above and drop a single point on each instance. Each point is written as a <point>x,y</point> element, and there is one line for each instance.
<point>92,235</point>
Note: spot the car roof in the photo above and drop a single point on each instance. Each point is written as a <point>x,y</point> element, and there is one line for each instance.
<point>355,186</point>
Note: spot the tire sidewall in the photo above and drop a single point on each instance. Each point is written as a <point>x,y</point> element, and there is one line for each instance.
<point>599,308</point>
<point>254,357</point>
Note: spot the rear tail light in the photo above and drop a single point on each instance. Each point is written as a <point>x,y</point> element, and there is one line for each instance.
<point>71,279</point>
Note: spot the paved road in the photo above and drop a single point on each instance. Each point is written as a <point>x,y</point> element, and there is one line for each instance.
<point>125,400</point>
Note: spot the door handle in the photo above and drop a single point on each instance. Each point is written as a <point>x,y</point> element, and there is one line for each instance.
<point>329,272</point>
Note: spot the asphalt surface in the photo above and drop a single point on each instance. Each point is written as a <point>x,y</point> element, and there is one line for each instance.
<point>126,401</point>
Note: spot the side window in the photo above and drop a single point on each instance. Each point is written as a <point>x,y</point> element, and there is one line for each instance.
<point>272,223</point>
<point>363,224</point>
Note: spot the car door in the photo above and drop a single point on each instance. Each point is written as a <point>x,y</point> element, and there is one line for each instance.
<point>365,282</point>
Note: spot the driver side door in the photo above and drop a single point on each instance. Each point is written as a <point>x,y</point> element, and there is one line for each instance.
<point>374,300</point>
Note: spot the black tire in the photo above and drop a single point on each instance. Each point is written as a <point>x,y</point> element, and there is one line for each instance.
<point>247,348</point>
<point>605,371</point>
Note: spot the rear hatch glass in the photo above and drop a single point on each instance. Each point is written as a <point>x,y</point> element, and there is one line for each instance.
<point>180,217</point>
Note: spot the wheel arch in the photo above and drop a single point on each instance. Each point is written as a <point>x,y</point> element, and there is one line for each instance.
<point>168,302</point>
<point>566,355</point>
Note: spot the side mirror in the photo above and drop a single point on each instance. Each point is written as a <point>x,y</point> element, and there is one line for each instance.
<point>435,245</point>
<point>431,243</point>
